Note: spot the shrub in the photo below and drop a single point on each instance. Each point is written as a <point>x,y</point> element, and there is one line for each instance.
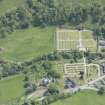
<point>101,91</point>
<point>52,90</point>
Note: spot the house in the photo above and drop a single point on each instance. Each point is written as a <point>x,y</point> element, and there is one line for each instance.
<point>69,83</point>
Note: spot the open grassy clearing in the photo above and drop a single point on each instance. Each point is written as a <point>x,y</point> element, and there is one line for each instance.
<point>83,98</point>
<point>87,34</point>
<point>11,88</point>
<point>25,44</point>
<point>89,41</point>
<point>91,45</point>
<point>8,5</point>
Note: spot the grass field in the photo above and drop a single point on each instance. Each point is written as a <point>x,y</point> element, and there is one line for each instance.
<point>87,34</point>
<point>89,41</point>
<point>8,5</point>
<point>25,44</point>
<point>10,88</point>
<point>83,98</point>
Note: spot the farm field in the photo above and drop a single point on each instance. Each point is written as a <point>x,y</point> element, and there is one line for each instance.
<point>11,88</point>
<point>25,44</point>
<point>83,98</point>
<point>68,40</point>
<point>6,5</point>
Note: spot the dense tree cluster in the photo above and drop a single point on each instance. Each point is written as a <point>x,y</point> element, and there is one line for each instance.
<point>40,65</point>
<point>44,13</point>
<point>101,91</point>
<point>1,0</point>
<point>29,86</point>
<point>52,97</point>
<point>8,69</point>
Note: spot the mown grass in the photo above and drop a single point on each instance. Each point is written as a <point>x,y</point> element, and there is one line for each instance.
<point>8,5</point>
<point>83,98</point>
<point>26,44</point>
<point>11,88</point>
<point>87,34</point>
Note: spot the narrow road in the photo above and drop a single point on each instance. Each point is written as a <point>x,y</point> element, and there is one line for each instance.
<point>96,80</point>
<point>38,93</point>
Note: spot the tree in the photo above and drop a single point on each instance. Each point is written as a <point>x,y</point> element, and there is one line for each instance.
<point>32,102</point>
<point>46,65</point>
<point>52,90</point>
<point>2,33</point>
<point>97,33</point>
<point>26,78</point>
<point>49,3</point>
<point>101,91</point>
<point>1,0</point>
<point>53,74</point>
<point>95,12</point>
<point>29,3</point>
<point>25,102</point>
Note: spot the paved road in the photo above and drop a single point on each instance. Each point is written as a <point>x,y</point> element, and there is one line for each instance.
<point>89,88</point>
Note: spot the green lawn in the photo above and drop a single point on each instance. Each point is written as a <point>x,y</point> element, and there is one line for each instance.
<point>89,41</point>
<point>25,44</point>
<point>8,5</point>
<point>10,88</point>
<point>83,98</point>
<point>86,34</point>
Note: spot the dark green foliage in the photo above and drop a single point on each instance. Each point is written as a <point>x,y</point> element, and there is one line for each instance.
<point>8,69</point>
<point>92,56</point>
<point>30,87</point>
<point>33,102</point>
<point>44,13</point>
<point>52,90</point>
<point>29,3</point>
<point>53,74</point>
<point>73,56</point>
<point>26,78</point>
<point>54,56</point>
<point>41,64</point>
<point>47,65</point>
<point>101,91</point>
